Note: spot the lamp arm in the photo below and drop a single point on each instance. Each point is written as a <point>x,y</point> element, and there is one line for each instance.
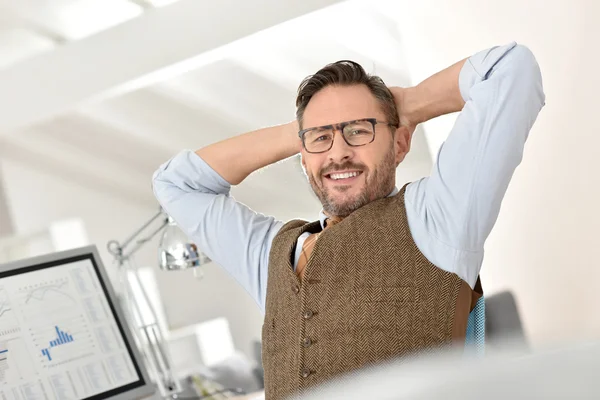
<point>117,249</point>
<point>141,229</point>
<point>140,242</point>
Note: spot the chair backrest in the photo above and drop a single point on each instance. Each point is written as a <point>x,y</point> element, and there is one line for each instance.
<point>258,370</point>
<point>502,322</point>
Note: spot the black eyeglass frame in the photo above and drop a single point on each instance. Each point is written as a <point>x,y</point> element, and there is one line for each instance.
<point>340,127</point>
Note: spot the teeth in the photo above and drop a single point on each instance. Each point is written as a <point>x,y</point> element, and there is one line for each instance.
<point>343,175</point>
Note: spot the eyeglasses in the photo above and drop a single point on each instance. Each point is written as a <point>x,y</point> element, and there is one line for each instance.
<point>355,133</point>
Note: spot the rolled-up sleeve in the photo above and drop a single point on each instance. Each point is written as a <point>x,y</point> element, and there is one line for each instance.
<point>227,231</point>
<point>455,209</point>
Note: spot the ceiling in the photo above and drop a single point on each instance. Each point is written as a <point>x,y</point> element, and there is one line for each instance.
<point>101,92</point>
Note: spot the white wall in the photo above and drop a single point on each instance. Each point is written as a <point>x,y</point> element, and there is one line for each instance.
<point>36,199</point>
<point>544,246</point>
<point>6,226</point>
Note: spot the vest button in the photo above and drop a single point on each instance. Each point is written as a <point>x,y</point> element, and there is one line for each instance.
<point>295,289</point>
<point>305,372</point>
<point>308,314</point>
<point>306,342</point>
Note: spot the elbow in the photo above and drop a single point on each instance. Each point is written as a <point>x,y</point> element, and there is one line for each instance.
<point>523,57</point>
<point>527,76</point>
<point>527,65</point>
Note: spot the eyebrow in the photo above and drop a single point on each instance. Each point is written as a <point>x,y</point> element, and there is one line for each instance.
<point>337,123</point>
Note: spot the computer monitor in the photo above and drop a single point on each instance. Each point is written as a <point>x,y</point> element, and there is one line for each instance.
<point>62,333</point>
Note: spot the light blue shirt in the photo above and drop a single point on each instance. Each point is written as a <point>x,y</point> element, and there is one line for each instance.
<point>450,213</point>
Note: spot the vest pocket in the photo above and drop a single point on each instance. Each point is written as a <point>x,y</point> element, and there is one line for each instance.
<point>272,340</point>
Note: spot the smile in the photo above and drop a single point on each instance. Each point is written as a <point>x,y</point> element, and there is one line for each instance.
<point>343,176</point>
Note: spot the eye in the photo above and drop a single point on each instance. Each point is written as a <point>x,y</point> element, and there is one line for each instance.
<point>318,136</point>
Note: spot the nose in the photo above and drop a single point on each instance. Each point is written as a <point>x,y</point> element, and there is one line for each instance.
<point>340,150</point>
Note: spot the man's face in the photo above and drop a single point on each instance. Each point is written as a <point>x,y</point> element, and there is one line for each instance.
<point>373,165</point>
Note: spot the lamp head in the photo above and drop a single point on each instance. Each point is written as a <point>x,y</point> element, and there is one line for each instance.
<point>176,251</point>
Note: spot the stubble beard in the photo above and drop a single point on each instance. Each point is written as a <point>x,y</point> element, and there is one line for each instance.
<point>378,184</point>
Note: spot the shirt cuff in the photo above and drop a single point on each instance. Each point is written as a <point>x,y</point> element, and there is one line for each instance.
<point>477,67</point>
<point>187,169</point>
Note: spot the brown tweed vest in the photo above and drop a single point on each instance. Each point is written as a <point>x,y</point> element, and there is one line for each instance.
<point>368,295</point>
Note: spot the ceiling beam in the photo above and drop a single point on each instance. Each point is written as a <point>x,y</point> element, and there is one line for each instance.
<point>172,125</point>
<point>162,42</point>
<point>145,4</point>
<point>12,20</point>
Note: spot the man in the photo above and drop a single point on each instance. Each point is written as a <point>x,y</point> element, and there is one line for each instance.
<point>383,272</point>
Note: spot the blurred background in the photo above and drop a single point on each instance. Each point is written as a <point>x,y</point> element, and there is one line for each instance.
<point>96,94</point>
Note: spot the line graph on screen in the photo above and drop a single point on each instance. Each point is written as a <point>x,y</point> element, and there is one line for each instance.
<point>44,290</point>
<point>46,298</point>
<point>7,317</point>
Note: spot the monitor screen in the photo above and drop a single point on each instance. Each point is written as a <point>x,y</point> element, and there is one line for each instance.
<point>60,337</point>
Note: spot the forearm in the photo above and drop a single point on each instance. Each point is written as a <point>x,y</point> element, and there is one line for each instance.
<point>236,158</point>
<point>435,96</point>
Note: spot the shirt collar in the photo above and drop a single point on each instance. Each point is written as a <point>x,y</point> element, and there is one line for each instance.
<point>323,217</point>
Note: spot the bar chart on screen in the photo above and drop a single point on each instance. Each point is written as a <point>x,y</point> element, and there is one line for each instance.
<point>61,339</point>
<point>68,340</point>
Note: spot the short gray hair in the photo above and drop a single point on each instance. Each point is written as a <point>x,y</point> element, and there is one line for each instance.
<point>346,73</point>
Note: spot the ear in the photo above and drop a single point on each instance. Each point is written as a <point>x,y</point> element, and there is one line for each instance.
<point>402,139</point>
<point>303,162</point>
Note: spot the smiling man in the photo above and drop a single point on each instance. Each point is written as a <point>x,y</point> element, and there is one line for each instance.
<point>344,181</point>
<point>383,272</point>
